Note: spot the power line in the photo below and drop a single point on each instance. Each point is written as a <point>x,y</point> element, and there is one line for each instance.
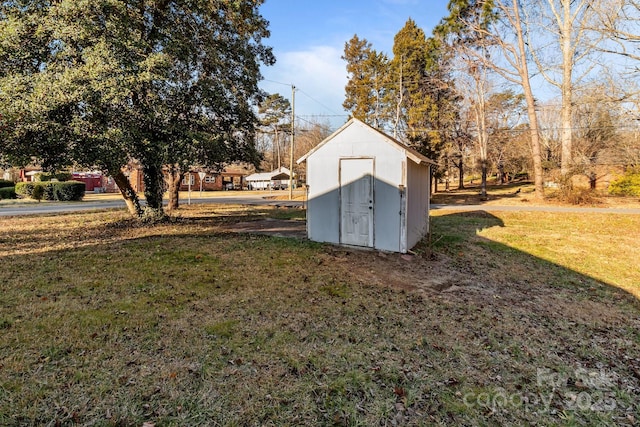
<point>316,101</point>
<point>279,83</point>
<point>323,115</point>
<point>540,129</point>
<point>308,96</point>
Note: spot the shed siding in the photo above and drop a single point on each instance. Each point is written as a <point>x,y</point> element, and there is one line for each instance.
<point>323,205</point>
<point>387,211</point>
<point>396,227</point>
<point>417,202</point>
<point>356,141</point>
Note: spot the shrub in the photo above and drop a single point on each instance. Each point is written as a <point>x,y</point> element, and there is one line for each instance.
<point>46,177</point>
<point>579,196</point>
<point>627,185</point>
<point>7,193</point>
<point>68,190</point>
<point>24,189</point>
<point>575,195</point>
<point>4,183</point>
<point>59,191</point>
<point>47,190</point>
<point>38,192</point>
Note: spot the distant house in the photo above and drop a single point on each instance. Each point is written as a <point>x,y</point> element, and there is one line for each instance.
<point>93,181</point>
<point>231,178</point>
<point>367,189</point>
<point>133,171</point>
<point>10,174</point>
<point>277,179</point>
<point>28,173</point>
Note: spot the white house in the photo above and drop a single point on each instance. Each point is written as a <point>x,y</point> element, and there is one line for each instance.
<point>367,189</point>
<point>276,179</point>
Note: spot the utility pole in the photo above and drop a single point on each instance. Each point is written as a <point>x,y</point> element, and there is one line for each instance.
<point>399,105</point>
<point>293,119</point>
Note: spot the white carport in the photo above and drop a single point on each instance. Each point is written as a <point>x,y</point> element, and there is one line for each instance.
<point>266,180</point>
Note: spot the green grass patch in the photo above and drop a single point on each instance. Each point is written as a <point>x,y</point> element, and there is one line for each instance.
<point>224,329</point>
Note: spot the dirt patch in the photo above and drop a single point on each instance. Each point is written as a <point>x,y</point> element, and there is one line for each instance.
<point>399,271</point>
<point>272,227</point>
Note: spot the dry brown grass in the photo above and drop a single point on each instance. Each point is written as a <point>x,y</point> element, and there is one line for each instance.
<point>105,322</point>
<point>522,194</point>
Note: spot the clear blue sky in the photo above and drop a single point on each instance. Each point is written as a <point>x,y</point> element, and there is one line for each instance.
<point>308,40</point>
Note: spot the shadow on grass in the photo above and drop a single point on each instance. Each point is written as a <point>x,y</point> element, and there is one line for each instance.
<point>585,329</point>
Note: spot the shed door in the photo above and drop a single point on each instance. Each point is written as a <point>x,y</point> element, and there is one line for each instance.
<point>356,202</point>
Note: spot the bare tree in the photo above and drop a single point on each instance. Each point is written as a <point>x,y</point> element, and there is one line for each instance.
<point>479,87</point>
<point>503,36</point>
<point>309,133</point>
<point>275,115</point>
<point>504,113</point>
<point>568,27</point>
<point>620,21</point>
<point>596,137</point>
<point>550,130</point>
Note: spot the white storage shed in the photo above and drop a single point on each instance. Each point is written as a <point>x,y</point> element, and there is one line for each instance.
<point>367,189</point>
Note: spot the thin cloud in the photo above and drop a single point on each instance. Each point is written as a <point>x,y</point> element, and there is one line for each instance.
<point>318,72</point>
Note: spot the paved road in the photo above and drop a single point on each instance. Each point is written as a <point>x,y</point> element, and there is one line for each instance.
<point>53,208</point>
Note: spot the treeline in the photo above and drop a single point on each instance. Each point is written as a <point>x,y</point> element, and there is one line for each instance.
<point>545,87</point>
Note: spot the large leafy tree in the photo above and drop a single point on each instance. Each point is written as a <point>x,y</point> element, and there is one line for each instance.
<point>368,78</point>
<point>421,90</point>
<point>275,119</point>
<point>101,82</point>
<point>413,93</point>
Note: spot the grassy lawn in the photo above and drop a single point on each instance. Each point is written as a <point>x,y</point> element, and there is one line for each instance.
<point>514,319</point>
<point>521,193</point>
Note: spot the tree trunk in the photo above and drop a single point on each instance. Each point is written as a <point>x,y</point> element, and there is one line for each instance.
<point>536,153</point>
<point>567,91</point>
<point>174,180</point>
<point>460,167</point>
<point>277,146</point>
<point>128,194</point>
<point>483,184</point>
<point>446,174</point>
<point>523,71</point>
<point>153,192</point>
<point>483,140</point>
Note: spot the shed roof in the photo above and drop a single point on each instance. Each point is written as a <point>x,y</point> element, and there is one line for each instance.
<point>409,152</point>
<point>264,176</point>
